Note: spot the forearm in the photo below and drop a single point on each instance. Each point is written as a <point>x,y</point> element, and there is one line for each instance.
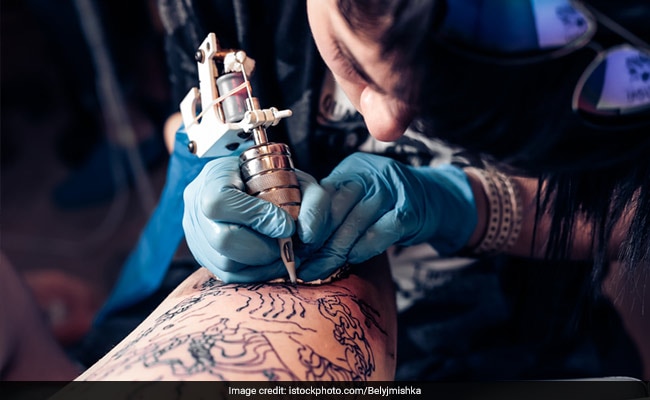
<point>522,246</point>
<point>537,231</point>
<point>207,330</point>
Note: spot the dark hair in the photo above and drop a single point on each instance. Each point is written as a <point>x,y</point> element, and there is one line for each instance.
<point>520,116</point>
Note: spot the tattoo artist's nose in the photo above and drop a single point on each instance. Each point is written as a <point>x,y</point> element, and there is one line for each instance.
<point>383,115</point>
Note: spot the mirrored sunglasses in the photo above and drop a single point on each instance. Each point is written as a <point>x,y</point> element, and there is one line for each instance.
<point>614,88</point>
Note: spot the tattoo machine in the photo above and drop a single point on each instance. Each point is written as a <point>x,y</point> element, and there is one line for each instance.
<point>231,119</point>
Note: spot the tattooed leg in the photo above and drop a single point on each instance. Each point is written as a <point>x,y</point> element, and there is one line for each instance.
<point>344,330</point>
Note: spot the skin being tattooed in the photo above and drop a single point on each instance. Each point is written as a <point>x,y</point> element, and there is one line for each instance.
<point>208,330</point>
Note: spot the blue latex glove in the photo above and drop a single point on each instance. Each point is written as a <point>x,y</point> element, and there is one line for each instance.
<point>377,202</point>
<point>234,235</point>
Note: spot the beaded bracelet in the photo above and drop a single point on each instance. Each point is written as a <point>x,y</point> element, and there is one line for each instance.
<point>504,211</point>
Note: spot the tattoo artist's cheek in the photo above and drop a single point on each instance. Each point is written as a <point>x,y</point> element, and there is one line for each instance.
<point>380,117</point>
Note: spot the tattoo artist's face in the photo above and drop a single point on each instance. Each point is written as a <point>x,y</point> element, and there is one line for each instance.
<point>357,66</point>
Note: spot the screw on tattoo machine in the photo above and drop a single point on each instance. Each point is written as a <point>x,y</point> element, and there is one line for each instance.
<point>230,118</point>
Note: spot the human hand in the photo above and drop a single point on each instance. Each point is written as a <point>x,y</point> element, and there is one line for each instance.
<point>234,235</point>
<point>377,202</point>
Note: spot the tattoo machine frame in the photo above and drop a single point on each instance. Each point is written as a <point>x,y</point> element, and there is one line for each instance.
<point>231,119</point>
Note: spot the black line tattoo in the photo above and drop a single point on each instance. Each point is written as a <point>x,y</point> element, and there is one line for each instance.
<point>199,338</point>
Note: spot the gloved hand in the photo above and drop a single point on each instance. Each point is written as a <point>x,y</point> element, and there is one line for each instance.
<point>234,235</point>
<point>377,202</point>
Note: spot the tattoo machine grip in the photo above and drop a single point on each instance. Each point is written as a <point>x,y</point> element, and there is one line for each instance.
<point>267,171</point>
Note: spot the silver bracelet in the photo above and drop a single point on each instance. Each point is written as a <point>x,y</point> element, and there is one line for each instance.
<point>504,211</point>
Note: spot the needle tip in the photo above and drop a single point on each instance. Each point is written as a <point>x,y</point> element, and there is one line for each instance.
<point>291,268</point>
<point>287,257</point>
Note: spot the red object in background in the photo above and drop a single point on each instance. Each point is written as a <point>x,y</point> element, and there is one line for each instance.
<point>68,303</point>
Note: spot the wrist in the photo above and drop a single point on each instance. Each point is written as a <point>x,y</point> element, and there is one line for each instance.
<point>481,202</point>
<point>454,206</point>
<point>500,214</point>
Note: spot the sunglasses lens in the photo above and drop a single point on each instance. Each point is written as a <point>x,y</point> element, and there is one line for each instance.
<point>506,29</point>
<point>615,84</point>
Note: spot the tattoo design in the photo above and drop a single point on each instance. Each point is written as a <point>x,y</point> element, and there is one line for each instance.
<point>257,332</point>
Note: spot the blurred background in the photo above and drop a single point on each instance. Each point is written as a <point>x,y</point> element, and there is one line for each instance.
<point>83,102</point>
<point>79,101</point>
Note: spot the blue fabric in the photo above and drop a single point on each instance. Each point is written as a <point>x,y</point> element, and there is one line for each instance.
<point>147,264</point>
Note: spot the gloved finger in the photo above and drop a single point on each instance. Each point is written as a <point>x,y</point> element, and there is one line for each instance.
<point>334,252</point>
<point>229,239</point>
<point>201,249</point>
<point>372,206</point>
<point>319,266</point>
<point>251,274</point>
<point>223,198</point>
<point>218,264</point>
<point>313,220</point>
<point>234,206</point>
<point>377,238</point>
<point>344,196</point>
<point>238,243</point>
<point>231,271</point>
